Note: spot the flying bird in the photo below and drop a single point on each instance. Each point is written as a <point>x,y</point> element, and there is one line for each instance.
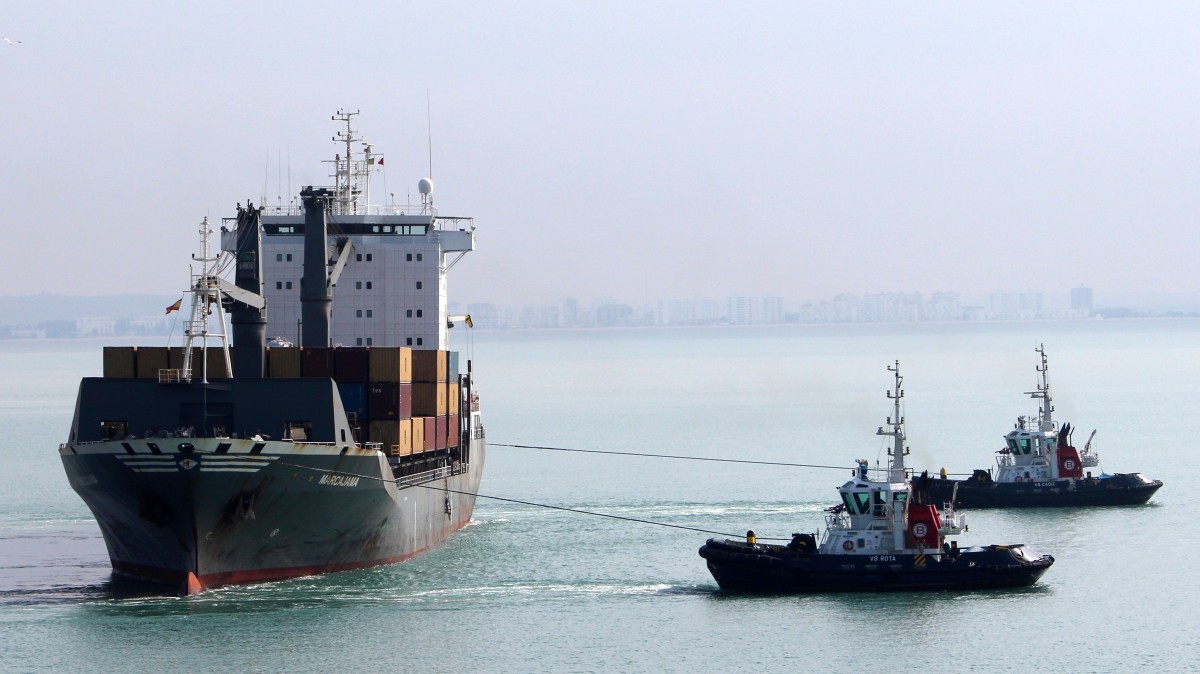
<point>12,42</point>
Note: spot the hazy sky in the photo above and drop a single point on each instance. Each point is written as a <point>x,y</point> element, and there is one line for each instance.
<point>625,149</point>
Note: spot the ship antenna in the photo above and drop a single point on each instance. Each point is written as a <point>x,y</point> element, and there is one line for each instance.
<point>429,132</point>
<point>266,174</point>
<point>1043,392</point>
<point>895,427</point>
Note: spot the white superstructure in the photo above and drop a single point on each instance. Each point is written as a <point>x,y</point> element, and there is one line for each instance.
<point>387,263</point>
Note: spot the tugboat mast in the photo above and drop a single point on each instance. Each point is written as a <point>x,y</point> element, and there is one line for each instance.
<point>895,428</point>
<point>1043,393</point>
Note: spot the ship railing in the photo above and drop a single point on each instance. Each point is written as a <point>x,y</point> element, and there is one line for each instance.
<point>174,376</point>
<point>421,478</point>
<point>838,521</point>
<point>1004,460</point>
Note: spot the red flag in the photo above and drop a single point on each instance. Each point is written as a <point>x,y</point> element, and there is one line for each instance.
<point>381,161</point>
<point>175,307</point>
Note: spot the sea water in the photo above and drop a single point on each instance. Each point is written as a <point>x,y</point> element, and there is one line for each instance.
<point>525,588</point>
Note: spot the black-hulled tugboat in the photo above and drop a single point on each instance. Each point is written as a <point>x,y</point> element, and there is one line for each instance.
<point>884,535</point>
<point>1039,466</point>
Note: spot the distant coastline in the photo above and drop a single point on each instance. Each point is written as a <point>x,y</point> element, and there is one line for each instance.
<point>134,318</point>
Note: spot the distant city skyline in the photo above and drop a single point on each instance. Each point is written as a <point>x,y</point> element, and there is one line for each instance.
<point>35,317</point>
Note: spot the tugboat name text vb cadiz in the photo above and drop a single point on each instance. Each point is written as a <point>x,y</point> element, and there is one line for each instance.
<point>213,463</point>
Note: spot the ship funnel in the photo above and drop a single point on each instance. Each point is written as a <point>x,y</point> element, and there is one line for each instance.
<point>316,297</point>
<point>249,323</point>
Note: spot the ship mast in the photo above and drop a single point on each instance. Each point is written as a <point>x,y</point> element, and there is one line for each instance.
<point>895,428</point>
<point>206,295</point>
<point>1043,393</point>
<point>351,176</point>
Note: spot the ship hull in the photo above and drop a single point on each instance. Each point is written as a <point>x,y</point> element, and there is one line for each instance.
<point>741,567</point>
<point>1123,489</point>
<point>201,513</point>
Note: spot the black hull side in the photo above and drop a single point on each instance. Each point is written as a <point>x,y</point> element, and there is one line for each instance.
<point>741,567</point>
<point>289,511</point>
<point>1065,493</point>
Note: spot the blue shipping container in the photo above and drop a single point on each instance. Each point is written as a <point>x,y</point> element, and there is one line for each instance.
<point>354,399</point>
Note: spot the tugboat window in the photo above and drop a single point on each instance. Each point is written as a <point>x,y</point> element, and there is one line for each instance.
<point>1024,445</point>
<point>849,503</point>
<point>863,500</point>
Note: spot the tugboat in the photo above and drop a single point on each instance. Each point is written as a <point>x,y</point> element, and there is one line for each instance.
<point>885,535</point>
<point>1039,467</point>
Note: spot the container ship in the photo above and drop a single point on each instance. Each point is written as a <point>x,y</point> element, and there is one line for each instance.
<point>225,460</point>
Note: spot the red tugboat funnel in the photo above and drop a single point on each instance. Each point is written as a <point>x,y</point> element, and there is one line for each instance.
<point>1069,464</point>
<point>923,526</point>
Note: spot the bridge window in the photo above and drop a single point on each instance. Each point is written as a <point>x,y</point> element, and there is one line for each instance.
<point>863,502</point>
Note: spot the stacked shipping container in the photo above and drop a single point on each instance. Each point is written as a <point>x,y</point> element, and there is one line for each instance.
<point>406,400</point>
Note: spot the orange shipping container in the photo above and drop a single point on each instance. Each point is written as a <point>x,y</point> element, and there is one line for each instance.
<point>453,399</point>
<point>390,363</point>
<point>394,436</point>
<point>418,434</point>
<point>404,442</point>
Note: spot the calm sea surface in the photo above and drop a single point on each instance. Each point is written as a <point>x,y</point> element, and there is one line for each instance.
<point>531,589</point>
